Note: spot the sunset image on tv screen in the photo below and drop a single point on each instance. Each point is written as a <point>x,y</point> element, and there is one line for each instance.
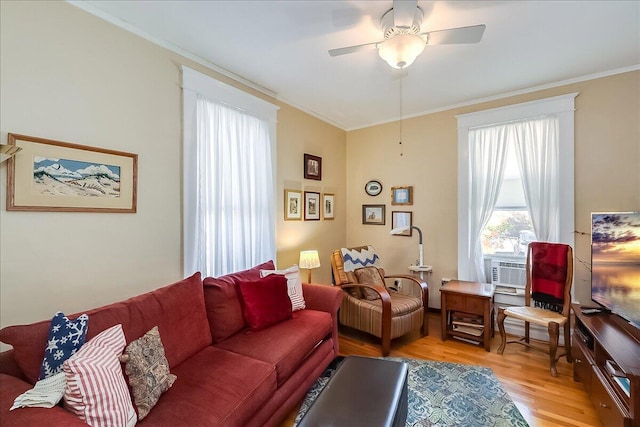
<point>615,263</point>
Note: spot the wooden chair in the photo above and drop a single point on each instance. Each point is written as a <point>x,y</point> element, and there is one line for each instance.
<point>549,270</point>
<point>370,306</point>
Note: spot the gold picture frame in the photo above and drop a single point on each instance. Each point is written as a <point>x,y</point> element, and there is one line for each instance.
<point>56,176</point>
<point>328,206</point>
<point>292,205</point>
<point>402,195</point>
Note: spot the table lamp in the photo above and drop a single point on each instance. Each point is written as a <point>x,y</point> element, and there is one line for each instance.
<point>400,230</point>
<point>309,260</point>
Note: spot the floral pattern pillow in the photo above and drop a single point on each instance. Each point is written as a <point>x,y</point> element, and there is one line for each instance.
<point>148,371</point>
<point>369,276</point>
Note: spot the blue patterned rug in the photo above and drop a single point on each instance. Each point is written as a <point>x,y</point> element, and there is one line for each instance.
<point>447,394</point>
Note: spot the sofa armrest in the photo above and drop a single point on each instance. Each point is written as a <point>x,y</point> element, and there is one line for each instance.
<point>12,387</point>
<point>325,298</point>
<point>9,366</point>
<point>322,297</point>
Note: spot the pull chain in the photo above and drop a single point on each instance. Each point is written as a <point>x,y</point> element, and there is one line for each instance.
<point>400,142</point>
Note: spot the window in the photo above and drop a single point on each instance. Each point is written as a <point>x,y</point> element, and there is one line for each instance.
<point>509,229</point>
<point>229,155</point>
<point>540,136</point>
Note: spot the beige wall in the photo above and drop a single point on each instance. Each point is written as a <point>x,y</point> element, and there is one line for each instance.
<point>69,76</point>
<point>607,174</point>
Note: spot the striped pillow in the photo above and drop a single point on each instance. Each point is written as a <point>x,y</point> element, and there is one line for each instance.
<point>294,285</point>
<point>96,390</point>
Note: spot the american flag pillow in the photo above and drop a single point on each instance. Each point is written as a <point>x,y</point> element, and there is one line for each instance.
<point>96,390</point>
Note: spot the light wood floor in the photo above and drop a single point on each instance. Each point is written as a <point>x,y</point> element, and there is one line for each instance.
<point>542,399</point>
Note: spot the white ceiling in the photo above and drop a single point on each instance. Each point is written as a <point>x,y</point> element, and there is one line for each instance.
<point>281,46</point>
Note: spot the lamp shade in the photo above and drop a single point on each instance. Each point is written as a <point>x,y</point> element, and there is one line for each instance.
<point>7,151</point>
<point>309,259</point>
<point>401,50</point>
<point>399,230</point>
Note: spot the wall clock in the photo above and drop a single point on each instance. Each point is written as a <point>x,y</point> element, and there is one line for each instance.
<point>373,187</point>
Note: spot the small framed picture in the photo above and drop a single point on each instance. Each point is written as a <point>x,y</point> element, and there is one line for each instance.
<point>292,205</point>
<point>402,195</point>
<point>312,167</point>
<point>373,214</point>
<point>373,187</point>
<point>311,206</point>
<point>402,219</point>
<point>328,201</point>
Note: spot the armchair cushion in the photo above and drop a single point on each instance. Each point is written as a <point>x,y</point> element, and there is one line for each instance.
<point>400,304</point>
<point>370,276</point>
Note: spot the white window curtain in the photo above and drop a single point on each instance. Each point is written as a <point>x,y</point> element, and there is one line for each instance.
<point>487,155</point>
<point>229,177</point>
<point>234,216</point>
<point>536,143</point>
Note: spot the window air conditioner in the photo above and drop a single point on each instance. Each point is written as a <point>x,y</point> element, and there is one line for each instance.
<point>508,273</point>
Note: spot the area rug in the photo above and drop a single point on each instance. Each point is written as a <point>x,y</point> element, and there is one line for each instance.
<point>446,394</point>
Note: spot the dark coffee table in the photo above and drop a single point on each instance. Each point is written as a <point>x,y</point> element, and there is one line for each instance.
<point>363,392</point>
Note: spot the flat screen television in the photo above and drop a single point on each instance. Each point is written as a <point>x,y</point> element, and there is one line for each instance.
<point>615,263</point>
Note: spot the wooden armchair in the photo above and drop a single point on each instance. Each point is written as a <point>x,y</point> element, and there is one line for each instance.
<point>370,306</point>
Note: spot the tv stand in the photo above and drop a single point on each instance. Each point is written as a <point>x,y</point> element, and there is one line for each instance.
<point>607,362</point>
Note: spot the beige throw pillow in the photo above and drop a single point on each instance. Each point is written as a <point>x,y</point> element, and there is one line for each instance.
<point>370,276</point>
<point>148,371</point>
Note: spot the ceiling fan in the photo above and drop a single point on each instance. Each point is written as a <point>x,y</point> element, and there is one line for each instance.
<point>403,41</point>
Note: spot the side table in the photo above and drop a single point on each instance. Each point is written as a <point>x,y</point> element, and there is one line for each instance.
<point>467,311</point>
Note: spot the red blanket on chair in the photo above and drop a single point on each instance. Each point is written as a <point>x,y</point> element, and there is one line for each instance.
<point>549,274</point>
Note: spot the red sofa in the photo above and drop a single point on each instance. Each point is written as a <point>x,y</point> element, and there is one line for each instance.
<point>225,376</point>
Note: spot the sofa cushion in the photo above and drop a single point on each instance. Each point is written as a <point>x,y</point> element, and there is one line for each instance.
<point>65,339</point>
<point>215,388</point>
<point>96,390</point>
<point>285,344</point>
<point>224,311</point>
<point>265,302</point>
<point>177,309</point>
<point>148,371</point>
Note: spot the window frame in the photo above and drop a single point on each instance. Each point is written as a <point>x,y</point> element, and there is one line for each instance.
<point>195,83</point>
<point>564,107</point>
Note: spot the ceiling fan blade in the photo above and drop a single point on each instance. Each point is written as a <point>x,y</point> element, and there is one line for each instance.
<point>352,49</point>
<point>472,34</point>
<point>404,11</point>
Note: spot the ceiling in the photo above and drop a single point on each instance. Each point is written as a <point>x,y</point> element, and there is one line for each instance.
<point>281,48</point>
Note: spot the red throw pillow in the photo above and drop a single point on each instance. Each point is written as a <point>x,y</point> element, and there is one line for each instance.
<point>265,302</point>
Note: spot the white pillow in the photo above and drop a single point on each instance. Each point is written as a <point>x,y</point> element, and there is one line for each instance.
<point>294,285</point>
<point>96,390</point>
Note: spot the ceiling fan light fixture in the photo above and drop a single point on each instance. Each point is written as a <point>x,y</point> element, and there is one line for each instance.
<point>401,50</point>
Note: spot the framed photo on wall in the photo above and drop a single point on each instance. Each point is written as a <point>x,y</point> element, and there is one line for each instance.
<point>373,214</point>
<point>328,205</point>
<point>292,205</point>
<point>402,219</point>
<point>312,167</point>
<point>50,176</point>
<point>311,206</point>
<point>402,195</point>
